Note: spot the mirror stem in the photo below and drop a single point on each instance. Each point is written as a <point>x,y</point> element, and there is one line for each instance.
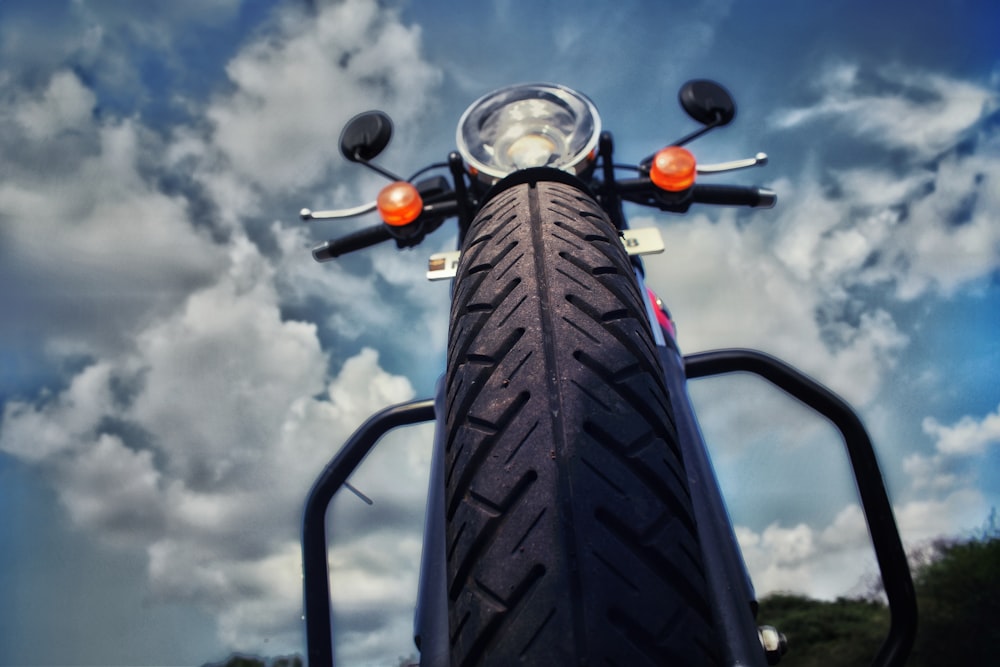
<point>689,138</point>
<point>377,169</point>
<point>697,133</point>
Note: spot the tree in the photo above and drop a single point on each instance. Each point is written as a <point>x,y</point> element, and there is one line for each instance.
<point>958,598</point>
<point>958,602</point>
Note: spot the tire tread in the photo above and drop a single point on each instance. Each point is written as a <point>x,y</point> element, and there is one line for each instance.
<point>570,537</point>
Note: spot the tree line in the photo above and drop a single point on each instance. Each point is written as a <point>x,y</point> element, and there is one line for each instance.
<point>958,604</point>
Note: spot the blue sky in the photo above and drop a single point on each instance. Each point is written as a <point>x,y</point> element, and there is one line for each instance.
<point>176,369</point>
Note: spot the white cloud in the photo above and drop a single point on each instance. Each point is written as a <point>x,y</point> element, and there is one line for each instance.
<point>957,456</point>
<point>37,433</point>
<point>957,449</point>
<point>202,414</point>
<point>955,514</point>
<point>931,474</point>
<point>226,436</point>
<point>921,112</point>
<point>90,241</point>
<point>373,586</point>
<point>99,39</point>
<point>967,436</point>
<point>64,105</point>
<point>198,440</point>
<point>257,601</point>
<point>837,559</point>
<point>726,288</point>
<point>928,231</point>
<point>113,489</point>
<point>798,560</point>
<point>218,337</point>
<point>951,237</point>
<point>930,228</point>
<point>388,294</point>
<point>301,85</point>
<point>353,301</point>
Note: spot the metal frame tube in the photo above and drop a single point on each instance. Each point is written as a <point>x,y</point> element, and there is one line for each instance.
<point>315,569</point>
<point>875,503</point>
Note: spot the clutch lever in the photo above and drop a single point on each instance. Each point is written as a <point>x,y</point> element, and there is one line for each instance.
<point>336,214</point>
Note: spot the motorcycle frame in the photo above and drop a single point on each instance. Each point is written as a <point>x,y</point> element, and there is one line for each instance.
<point>730,591</point>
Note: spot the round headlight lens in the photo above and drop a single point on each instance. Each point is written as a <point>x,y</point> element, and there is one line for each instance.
<point>524,126</point>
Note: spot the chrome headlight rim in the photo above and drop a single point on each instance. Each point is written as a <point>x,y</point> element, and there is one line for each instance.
<point>581,144</point>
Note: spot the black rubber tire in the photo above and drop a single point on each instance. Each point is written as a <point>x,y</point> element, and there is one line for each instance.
<point>569,530</point>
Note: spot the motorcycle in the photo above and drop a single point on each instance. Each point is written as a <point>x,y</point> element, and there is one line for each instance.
<point>573,514</point>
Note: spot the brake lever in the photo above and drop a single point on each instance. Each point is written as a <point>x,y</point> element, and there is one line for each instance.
<point>759,160</point>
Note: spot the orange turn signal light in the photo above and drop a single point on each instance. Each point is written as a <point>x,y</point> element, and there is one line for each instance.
<point>399,204</point>
<point>673,169</point>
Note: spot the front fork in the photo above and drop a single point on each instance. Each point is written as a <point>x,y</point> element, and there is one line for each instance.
<point>731,594</point>
<point>430,626</point>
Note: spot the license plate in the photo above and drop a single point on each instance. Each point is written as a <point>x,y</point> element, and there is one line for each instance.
<point>443,265</point>
<point>644,241</point>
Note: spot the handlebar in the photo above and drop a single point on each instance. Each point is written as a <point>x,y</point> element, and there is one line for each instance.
<point>643,191</point>
<point>734,195</point>
<point>362,238</point>
<point>638,190</point>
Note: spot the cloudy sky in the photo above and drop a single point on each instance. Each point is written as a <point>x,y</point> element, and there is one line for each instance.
<point>176,369</point>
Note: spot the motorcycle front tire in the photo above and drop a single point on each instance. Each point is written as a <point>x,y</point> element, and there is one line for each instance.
<point>569,530</point>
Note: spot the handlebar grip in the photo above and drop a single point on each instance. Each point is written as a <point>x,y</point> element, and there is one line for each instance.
<point>734,195</point>
<point>362,238</point>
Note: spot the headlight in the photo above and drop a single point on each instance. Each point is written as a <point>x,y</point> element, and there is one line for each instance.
<point>535,125</point>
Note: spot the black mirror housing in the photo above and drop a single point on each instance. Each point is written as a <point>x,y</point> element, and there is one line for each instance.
<point>707,102</point>
<point>365,136</point>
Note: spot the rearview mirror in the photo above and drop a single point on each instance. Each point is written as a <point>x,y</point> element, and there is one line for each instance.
<point>707,102</point>
<point>365,136</point>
